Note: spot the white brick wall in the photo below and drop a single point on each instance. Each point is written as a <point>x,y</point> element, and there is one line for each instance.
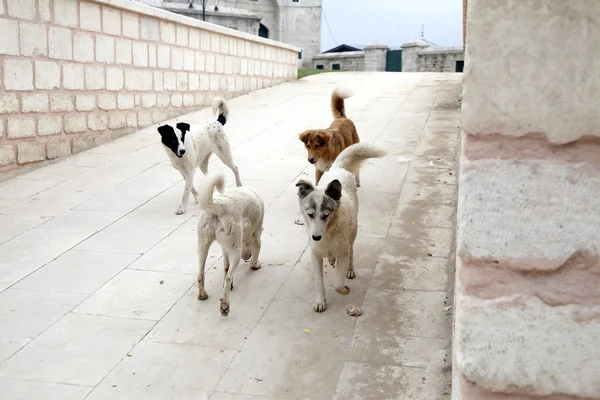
<point>36,102</point>
<point>65,13</point>
<point>111,21</point>
<point>33,39</point>
<point>114,78</point>
<point>83,47</point>
<point>73,77</point>
<point>49,125</point>
<point>59,40</point>
<point>20,127</point>
<point>18,74</point>
<point>74,71</point>
<point>85,102</point>
<point>9,32</point>
<point>24,9</point>
<point>90,16</point>
<point>47,75</point>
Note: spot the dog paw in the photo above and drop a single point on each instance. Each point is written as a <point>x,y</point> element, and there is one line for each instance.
<point>343,290</point>
<point>255,267</point>
<point>179,211</point>
<point>224,307</point>
<point>202,296</point>
<point>299,222</point>
<point>350,274</point>
<point>332,262</point>
<point>319,306</point>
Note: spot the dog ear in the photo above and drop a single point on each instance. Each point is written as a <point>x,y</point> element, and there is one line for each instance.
<point>304,188</point>
<point>334,190</point>
<point>165,130</point>
<point>304,136</point>
<point>183,127</point>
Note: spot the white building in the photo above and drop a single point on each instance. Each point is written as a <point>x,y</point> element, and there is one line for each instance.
<point>296,22</point>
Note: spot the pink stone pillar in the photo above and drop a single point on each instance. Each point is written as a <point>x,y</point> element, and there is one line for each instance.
<point>527,319</point>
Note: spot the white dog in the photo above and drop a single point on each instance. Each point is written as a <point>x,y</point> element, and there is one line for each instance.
<point>188,152</point>
<point>234,219</point>
<point>330,213</point>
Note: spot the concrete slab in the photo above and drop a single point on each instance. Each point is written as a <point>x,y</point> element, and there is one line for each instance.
<point>86,242</point>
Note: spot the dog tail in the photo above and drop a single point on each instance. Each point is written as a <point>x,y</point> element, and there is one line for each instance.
<point>220,110</point>
<point>353,156</point>
<point>337,101</point>
<point>206,191</point>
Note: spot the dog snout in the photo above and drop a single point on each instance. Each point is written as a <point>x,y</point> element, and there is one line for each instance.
<point>316,238</point>
<point>311,160</point>
<point>181,152</point>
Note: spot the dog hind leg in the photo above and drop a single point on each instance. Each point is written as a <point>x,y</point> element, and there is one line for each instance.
<point>232,244</point>
<point>342,268</point>
<point>205,239</point>
<point>227,158</point>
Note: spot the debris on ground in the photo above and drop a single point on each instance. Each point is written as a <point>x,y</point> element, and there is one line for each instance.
<point>447,308</point>
<point>307,331</point>
<point>403,159</point>
<point>354,310</point>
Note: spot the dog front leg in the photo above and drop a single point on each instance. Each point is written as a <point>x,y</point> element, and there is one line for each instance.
<point>342,268</point>
<point>318,175</point>
<point>317,262</point>
<point>189,182</point>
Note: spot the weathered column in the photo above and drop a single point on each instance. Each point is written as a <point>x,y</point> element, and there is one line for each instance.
<point>410,55</point>
<point>375,57</point>
<point>527,320</point>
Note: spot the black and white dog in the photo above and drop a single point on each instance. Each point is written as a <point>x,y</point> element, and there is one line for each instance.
<point>190,151</point>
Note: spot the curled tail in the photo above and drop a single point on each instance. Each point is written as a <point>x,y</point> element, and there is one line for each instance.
<point>206,191</point>
<point>337,102</point>
<point>353,156</point>
<point>220,110</point>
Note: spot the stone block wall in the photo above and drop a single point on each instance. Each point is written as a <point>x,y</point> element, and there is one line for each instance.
<point>349,61</point>
<point>439,60</point>
<point>527,318</point>
<point>75,73</point>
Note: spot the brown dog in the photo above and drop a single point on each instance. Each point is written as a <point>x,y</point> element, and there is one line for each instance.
<point>324,145</point>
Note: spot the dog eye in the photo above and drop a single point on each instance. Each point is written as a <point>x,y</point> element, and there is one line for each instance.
<point>311,215</point>
<point>325,216</point>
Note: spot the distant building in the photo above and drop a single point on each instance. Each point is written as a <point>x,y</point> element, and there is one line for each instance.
<point>415,56</point>
<point>296,22</point>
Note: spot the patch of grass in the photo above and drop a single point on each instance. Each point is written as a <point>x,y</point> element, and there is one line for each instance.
<point>308,72</point>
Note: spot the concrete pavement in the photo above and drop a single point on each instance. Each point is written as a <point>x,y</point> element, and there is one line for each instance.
<point>97,273</point>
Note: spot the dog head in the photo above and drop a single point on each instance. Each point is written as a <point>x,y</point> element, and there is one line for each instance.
<point>319,205</point>
<point>316,143</point>
<point>174,139</point>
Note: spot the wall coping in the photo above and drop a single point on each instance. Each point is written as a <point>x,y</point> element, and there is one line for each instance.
<point>225,13</point>
<point>150,11</point>
<point>346,54</point>
<point>456,49</point>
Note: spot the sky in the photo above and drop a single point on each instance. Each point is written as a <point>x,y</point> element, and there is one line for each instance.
<point>391,22</point>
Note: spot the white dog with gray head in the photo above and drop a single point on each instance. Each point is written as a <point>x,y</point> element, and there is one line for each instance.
<point>188,152</point>
<point>330,213</point>
<point>235,220</point>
